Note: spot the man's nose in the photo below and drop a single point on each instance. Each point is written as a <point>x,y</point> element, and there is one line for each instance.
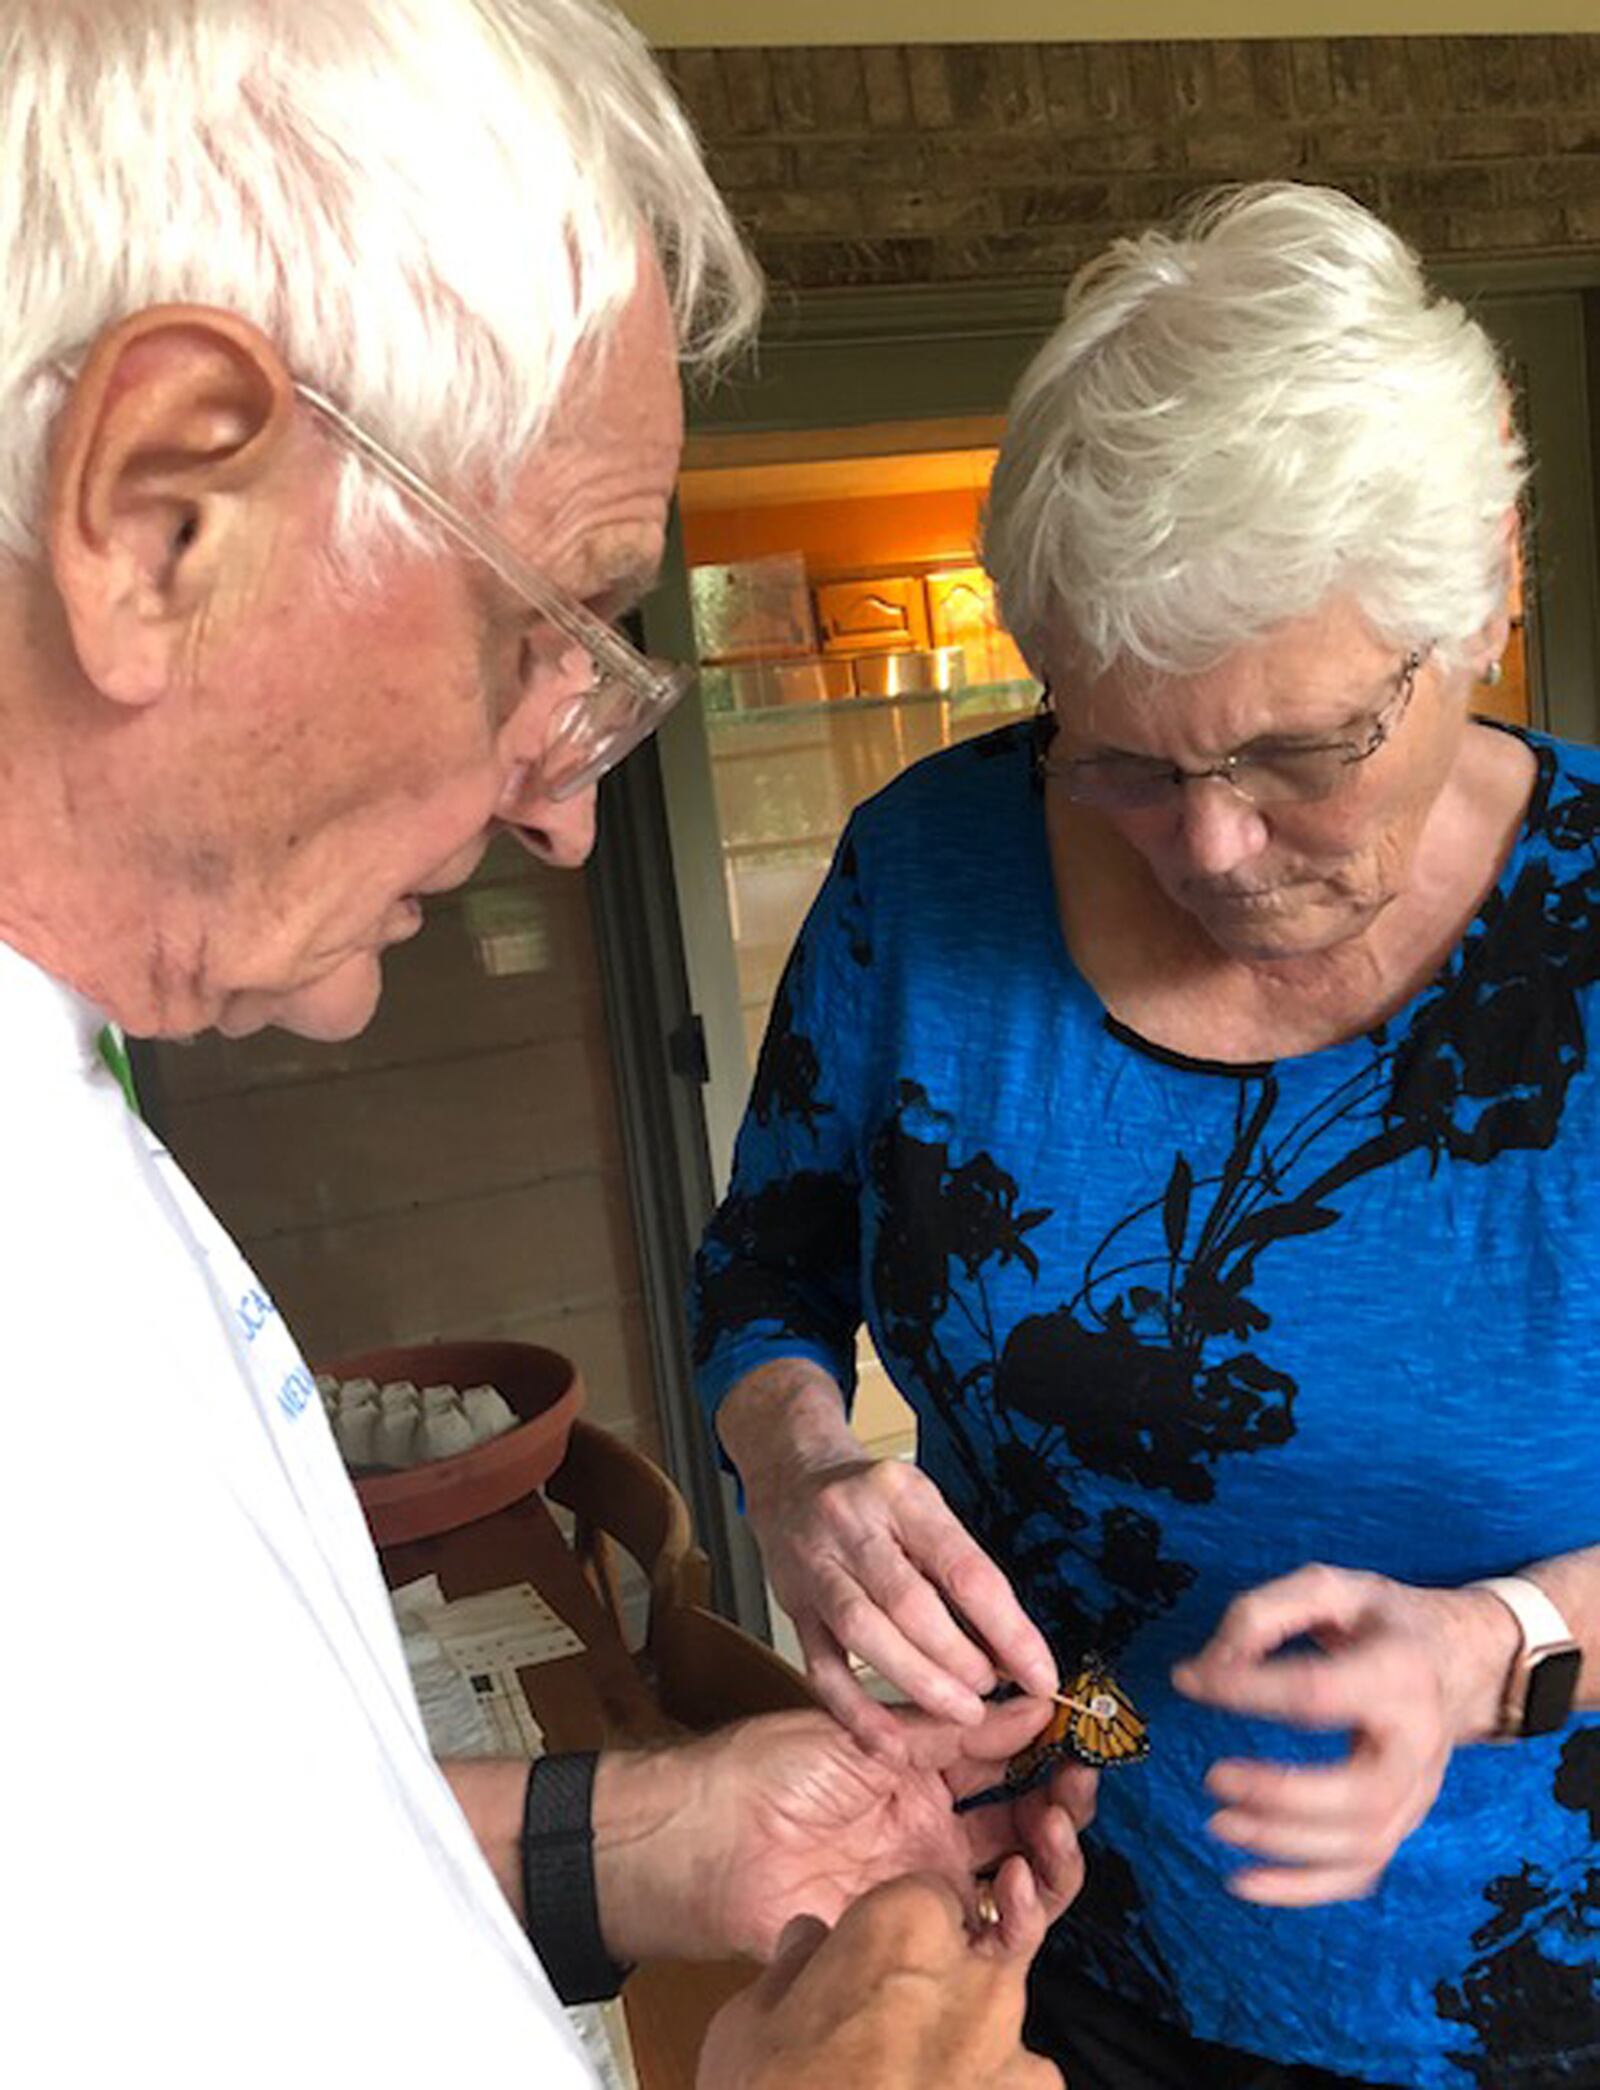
<point>559,831</point>
<point>1220,830</point>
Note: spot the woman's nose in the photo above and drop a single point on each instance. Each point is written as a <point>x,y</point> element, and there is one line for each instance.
<point>1220,829</point>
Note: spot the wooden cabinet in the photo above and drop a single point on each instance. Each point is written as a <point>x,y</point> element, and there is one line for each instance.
<point>880,614</point>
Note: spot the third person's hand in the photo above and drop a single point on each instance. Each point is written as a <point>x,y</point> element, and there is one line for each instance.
<point>900,1996</point>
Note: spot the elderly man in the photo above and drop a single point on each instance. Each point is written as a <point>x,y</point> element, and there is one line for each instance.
<point>341,420</point>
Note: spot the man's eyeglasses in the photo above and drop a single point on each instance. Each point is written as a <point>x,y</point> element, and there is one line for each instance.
<point>591,729</point>
<point>1262,775</point>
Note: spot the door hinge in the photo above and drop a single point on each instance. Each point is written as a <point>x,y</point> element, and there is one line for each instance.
<point>686,1051</point>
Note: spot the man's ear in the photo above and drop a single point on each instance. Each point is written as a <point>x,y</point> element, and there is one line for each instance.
<point>169,465</point>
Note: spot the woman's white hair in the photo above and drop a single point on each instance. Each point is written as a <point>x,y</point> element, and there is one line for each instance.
<point>429,205</point>
<point>1239,418</point>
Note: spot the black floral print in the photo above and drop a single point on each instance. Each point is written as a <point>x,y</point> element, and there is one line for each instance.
<point>1099,1371</point>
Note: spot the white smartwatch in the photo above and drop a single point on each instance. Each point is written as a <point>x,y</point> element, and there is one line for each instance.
<point>1543,1680</point>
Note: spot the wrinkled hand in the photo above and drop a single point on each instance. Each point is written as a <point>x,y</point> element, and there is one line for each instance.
<point>867,1559</point>
<point>810,1821</point>
<point>899,1997</point>
<point>1411,1673</point>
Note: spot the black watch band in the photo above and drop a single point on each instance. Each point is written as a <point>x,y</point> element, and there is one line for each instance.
<point>558,1891</point>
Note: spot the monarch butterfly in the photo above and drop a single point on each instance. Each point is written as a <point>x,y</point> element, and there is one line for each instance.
<point>1094,1722</point>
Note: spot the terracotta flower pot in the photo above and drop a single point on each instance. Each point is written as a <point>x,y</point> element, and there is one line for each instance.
<point>541,1386</point>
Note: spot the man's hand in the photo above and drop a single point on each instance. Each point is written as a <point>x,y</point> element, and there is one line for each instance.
<point>867,1559</point>
<point>1411,1673</point>
<point>714,1847</point>
<point>900,1996</point>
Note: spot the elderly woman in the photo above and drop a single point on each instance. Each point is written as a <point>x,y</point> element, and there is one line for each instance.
<point>1191,1092</point>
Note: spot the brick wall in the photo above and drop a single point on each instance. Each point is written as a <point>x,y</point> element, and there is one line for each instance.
<point>927,164</point>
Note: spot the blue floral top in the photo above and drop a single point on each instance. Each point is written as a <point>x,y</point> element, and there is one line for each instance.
<point>1171,1328</point>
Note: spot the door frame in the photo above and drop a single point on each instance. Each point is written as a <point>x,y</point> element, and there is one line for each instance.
<point>644,901</point>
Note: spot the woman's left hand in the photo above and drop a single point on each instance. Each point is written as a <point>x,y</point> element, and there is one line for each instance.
<point>1410,1673</point>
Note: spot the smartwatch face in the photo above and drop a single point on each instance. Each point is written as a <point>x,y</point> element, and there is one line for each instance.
<point>1552,1686</point>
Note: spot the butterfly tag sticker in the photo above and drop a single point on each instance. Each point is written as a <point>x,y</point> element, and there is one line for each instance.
<point>1095,1722</point>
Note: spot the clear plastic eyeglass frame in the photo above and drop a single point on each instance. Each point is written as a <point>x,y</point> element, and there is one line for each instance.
<point>592,729</point>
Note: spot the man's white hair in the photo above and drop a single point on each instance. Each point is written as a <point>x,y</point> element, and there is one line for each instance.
<point>1240,418</point>
<point>429,206</point>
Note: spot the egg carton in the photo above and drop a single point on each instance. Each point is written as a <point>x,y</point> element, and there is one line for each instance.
<point>382,1428</point>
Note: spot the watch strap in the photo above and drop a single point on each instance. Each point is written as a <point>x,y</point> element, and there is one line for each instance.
<point>1535,1612</point>
<point>562,1913</point>
<point>1544,1632</point>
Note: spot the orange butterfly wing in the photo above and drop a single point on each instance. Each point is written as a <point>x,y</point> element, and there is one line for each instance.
<point>1107,1728</point>
<point>1101,1728</point>
<point>1051,1745</point>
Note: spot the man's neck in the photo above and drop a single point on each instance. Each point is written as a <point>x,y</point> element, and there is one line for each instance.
<point>73,899</point>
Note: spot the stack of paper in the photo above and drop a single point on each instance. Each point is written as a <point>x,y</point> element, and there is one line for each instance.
<point>484,1640</point>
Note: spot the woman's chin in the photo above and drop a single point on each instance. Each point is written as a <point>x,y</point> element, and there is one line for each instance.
<point>1279,929</point>
<point>1267,936</point>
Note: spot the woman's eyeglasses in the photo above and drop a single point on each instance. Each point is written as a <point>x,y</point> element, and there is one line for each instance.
<point>1263,775</point>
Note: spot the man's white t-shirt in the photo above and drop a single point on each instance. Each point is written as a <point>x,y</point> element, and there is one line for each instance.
<point>226,1855</point>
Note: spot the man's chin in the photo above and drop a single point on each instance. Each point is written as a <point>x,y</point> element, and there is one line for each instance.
<point>327,1011</point>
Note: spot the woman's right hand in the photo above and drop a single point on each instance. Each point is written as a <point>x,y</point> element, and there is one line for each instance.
<point>868,1559</point>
